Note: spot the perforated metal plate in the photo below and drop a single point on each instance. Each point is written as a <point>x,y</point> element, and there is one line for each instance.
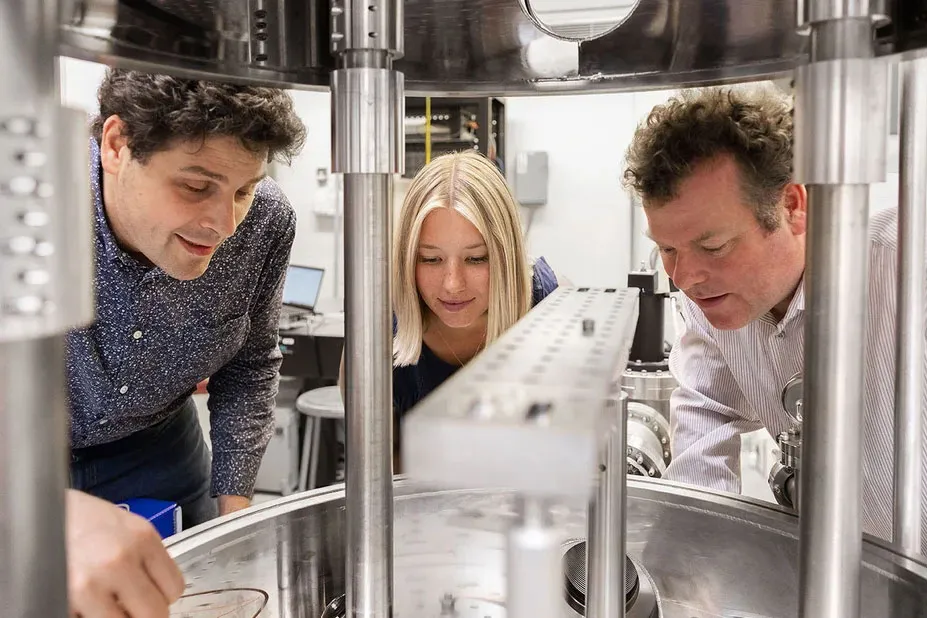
<point>526,414</point>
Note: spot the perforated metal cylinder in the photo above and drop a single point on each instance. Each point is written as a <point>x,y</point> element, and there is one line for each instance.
<point>46,265</point>
<point>367,24</point>
<point>46,233</point>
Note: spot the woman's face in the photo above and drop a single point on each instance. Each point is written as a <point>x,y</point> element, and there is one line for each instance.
<point>452,269</point>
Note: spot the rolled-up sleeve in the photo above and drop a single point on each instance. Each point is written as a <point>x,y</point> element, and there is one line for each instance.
<point>242,393</point>
<point>707,411</point>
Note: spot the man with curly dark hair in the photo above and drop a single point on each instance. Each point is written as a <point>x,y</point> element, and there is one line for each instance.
<point>192,244</point>
<point>714,170</point>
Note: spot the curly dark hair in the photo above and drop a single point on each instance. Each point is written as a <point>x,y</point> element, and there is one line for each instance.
<point>157,110</point>
<point>752,124</point>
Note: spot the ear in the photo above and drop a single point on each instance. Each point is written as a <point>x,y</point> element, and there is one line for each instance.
<point>795,201</point>
<point>114,150</point>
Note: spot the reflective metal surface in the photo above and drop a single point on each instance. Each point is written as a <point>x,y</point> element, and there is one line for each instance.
<point>640,598</point>
<point>578,20</point>
<point>367,354</point>
<point>45,241</point>
<point>367,109</point>
<point>709,556</point>
<point>605,593</point>
<point>450,45</point>
<point>648,444</point>
<point>33,475</point>
<point>909,368</point>
<point>532,561</point>
<point>652,388</point>
<point>530,411</point>
<point>45,273</point>
<point>840,139</point>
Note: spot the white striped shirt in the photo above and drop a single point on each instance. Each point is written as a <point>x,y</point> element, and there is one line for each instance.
<point>731,382</point>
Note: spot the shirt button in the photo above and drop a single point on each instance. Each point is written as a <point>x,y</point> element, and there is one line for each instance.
<point>137,334</point>
<point>124,389</point>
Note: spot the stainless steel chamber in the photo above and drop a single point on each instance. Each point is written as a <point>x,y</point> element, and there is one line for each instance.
<point>707,556</point>
<point>447,552</point>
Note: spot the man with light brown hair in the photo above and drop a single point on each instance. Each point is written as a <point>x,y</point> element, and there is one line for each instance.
<point>714,170</point>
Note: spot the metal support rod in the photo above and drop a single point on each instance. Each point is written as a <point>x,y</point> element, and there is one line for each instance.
<point>840,136</point>
<point>368,367</point>
<point>605,546</point>
<point>909,360</point>
<point>835,289</point>
<point>367,147</point>
<point>534,576</point>
<point>33,475</point>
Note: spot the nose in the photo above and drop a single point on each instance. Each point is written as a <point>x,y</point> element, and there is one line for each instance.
<point>454,280</point>
<point>220,218</point>
<point>684,270</point>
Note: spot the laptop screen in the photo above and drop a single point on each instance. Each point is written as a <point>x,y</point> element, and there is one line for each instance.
<point>302,286</point>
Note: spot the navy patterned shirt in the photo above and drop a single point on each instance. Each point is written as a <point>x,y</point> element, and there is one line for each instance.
<point>155,338</point>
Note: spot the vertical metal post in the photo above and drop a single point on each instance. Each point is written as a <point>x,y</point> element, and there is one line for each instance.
<point>605,546</point>
<point>840,134</point>
<point>367,112</point>
<point>369,500</point>
<point>831,514</point>
<point>909,367</point>
<point>33,477</point>
<point>46,267</point>
<point>534,579</point>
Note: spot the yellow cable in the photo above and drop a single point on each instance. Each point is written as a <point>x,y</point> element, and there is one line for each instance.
<point>427,130</point>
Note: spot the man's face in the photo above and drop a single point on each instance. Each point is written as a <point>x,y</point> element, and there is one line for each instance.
<point>175,209</point>
<point>718,254</point>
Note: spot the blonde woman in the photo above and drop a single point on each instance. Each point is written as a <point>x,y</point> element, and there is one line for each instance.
<point>461,276</point>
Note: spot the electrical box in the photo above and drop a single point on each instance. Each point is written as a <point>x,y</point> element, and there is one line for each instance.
<point>530,178</point>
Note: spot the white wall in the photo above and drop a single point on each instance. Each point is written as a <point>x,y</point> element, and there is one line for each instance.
<point>316,205</point>
<point>584,231</point>
<point>78,83</point>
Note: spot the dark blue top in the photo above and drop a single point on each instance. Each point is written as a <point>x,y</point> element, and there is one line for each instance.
<point>155,338</point>
<point>413,383</point>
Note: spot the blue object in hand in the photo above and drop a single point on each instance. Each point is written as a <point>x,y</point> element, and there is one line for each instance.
<point>163,515</point>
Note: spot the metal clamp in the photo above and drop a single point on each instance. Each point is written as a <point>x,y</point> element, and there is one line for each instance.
<point>784,475</point>
<point>648,448</point>
<point>374,25</point>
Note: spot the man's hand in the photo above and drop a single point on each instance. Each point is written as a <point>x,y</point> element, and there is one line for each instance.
<point>117,564</point>
<point>230,504</point>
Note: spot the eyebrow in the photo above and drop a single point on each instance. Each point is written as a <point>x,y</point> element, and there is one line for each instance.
<point>702,238</point>
<point>202,171</point>
<point>467,248</point>
<point>706,236</point>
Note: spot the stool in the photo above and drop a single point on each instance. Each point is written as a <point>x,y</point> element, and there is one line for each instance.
<point>317,404</point>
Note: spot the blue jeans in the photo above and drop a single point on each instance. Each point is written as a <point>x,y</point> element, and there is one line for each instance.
<point>169,461</point>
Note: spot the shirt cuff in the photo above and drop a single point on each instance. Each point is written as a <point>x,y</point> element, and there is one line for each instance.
<point>234,473</point>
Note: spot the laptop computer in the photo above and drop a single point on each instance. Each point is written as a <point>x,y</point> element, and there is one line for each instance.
<point>300,292</point>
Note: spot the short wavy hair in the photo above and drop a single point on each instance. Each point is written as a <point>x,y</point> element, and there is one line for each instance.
<point>752,124</point>
<point>160,110</point>
<point>470,184</point>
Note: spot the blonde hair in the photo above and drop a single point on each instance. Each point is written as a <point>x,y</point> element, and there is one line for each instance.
<point>470,184</point>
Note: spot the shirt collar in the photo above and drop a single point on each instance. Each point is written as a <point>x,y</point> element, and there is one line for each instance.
<point>796,308</point>
<point>107,246</point>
